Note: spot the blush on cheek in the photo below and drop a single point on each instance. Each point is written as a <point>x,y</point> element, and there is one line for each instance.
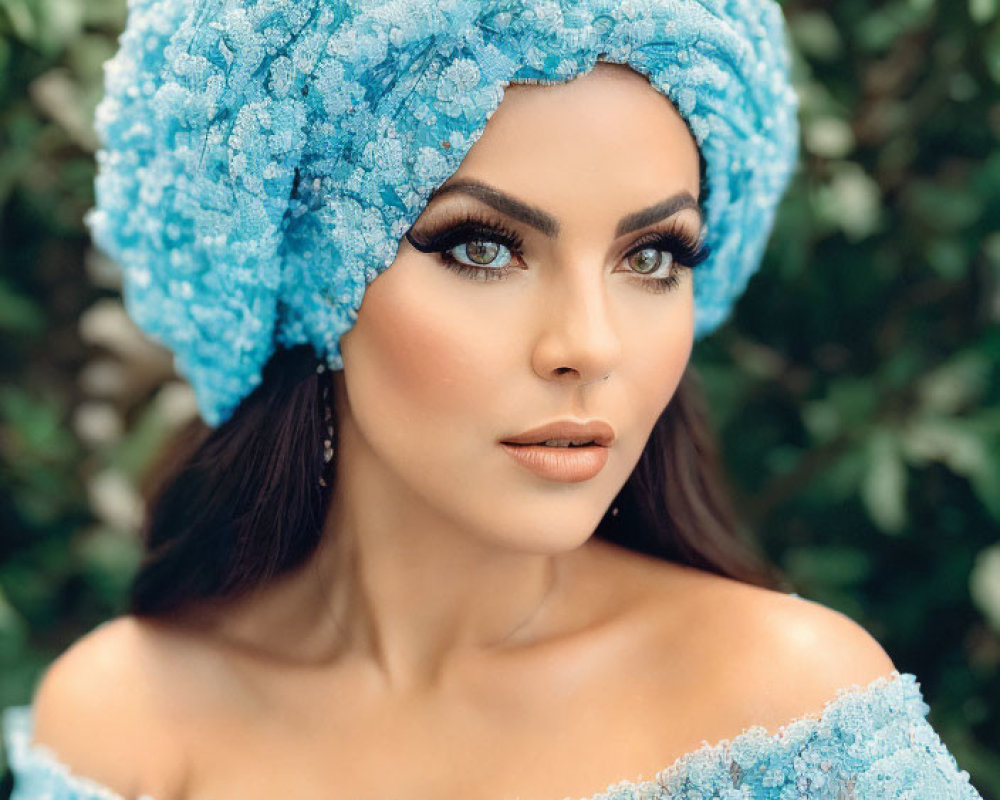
<point>666,361</point>
<point>421,346</point>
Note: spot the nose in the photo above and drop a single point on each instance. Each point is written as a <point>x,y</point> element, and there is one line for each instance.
<point>579,339</point>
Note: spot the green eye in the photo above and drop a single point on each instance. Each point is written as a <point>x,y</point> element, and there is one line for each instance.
<point>647,260</point>
<point>481,252</point>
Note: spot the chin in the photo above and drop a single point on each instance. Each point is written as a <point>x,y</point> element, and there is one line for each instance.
<point>546,535</point>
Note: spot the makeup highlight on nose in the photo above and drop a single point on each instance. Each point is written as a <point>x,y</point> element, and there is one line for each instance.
<point>548,224</point>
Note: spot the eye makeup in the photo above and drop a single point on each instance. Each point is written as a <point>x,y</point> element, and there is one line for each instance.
<point>471,227</point>
<point>683,250</point>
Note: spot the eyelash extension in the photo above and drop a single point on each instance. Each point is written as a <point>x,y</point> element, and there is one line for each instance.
<point>687,252</point>
<point>469,228</point>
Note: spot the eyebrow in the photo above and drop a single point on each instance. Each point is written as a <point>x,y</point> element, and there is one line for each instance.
<point>548,224</point>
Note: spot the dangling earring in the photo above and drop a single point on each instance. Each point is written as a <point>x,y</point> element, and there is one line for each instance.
<point>328,421</point>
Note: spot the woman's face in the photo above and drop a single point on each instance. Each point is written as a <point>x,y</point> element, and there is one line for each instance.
<point>558,322</point>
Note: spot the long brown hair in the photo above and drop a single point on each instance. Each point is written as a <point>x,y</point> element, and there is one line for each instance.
<point>235,506</point>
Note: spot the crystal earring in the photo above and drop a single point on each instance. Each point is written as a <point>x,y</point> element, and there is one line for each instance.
<point>328,421</point>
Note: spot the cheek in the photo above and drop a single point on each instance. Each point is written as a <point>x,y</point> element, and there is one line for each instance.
<point>661,352</point>
<point>420,354</point>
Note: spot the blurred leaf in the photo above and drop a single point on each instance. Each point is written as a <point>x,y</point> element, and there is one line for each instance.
<point>984,584</point>
<point>822,420</point>
<point>115,500</point>
<point>13,631</point>
<point>948,258</point>
<point>33,426</point>
<point>881,27</point>
<point>852,401</point>
<point>4,57</point>
<point>991,53</point>
<point>946,440</point>
<point>18,17</point>
<point>830,564</point>
<point>55,94</point>
<point>104,13</point>
<point>956,384</point>
<point>982,11</point>
<point>942,208</point>
<point>59,22</point>
<point>37,453</point>
<point>110,558</point>
<point>966,446</point>
<point>843,478</point>
<point>816,35</point>
<point>829,137</point>
<point>883,489</point>
<point>84,59</point>
<point>851,201</point>
<point>18,314</point>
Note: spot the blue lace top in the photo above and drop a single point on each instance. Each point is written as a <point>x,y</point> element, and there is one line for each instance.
<point>868,743</point>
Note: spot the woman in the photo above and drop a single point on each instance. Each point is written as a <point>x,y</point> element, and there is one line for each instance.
<point>464,538</point>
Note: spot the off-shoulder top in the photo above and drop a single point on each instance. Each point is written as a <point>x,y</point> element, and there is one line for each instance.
<point>868,743</point>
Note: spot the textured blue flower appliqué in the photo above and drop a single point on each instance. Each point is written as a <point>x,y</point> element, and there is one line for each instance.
<point>261,159</point>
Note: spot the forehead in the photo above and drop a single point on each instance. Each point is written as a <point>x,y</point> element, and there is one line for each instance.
<point>603,127</point>
<point>599,147</point>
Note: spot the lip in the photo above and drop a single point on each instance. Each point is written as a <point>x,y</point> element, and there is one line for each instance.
<point>568,464</point>
<point>596,430</point>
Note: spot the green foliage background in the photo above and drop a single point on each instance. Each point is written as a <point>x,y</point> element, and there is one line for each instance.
<point>855,389</point>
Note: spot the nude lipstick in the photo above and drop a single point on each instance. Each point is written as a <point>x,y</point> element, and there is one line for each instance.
<point>565,450</point>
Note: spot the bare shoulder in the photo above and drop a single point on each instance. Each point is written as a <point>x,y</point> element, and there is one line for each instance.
<point>711,656</point>
<point>818,648</point>
<point>777,657</point>
<point>101,710</point>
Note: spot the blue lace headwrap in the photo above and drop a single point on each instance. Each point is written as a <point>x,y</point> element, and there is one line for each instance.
<point>261,159</point>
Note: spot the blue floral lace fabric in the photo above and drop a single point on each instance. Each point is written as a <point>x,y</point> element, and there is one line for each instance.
<point>262,159</point>
<point>869,743</point>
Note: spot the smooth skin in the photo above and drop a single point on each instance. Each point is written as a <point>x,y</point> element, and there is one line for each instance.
<point>460,633</point>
